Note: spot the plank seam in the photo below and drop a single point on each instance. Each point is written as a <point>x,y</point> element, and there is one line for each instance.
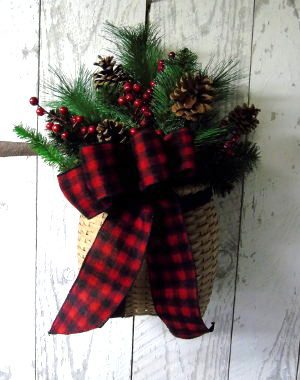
<point>298,362</point>
<point>36,191</point>
<point>132,346</point>
<point>241,205</point>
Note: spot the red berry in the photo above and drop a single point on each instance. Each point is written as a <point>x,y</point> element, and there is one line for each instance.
<point>147,113</point>
<point>40,111</point>
<point>73,119</point>
<point>138,103</point>
<point>149,91</point>
<point>64,135</point>
<point>144,123</point>
<point>79,119</point>
<point>49,126</point>
<point>172,54</point>
<point>122,100</point>
<point>160,68</point>
<point>146,96</point>
<point>133,131</point>
<point>91,129</point>
<point>63,111</point>
<point>34,101</point>
<point>152,84</point>
<point>137,87</point>
<point>56,128</point>
<point>161,62</point>
<point>127,87</point>
<point>129,97</point>
<point>235,138</point>
<point>228,144</point>
<point>159,132</point>
<point>145,109</point>
<point>83,130</point>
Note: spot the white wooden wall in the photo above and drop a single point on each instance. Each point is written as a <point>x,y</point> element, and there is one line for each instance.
<point>256,300</point>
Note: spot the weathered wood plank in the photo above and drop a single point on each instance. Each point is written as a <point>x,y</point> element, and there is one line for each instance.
<point>18,75</point>
<point>72,34</point>
<point>223,29</point>
<point>267,313</point>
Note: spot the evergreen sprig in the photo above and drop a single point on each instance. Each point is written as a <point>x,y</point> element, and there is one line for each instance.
<point>184,61</point>
<point>49,153</point>
<point>138,50</point>
<point>224,75</point>
<point>223,171</point>
<point>77,94</point>
<point>80,97</point>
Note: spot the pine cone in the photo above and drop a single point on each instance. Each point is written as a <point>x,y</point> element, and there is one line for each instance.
<point>112,131</point>
<point>109,73</point>
<point>243,118</point>
<point>193,96</point>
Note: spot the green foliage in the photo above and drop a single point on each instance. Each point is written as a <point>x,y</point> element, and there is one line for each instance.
<point>184,61</point>
<point>80,97</point>
<point>49,153</point>
<point>108,108</point>
<point>224,75</point>
<point>161,102</point>
<point>138,49</point>
<point>77,94</point>
<point>223,171</point>
<point>209,136</point>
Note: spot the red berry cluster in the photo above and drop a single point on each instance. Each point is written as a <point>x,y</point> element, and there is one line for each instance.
<point>63,124</point>
<point>161,63</point>
<point>230,144</point>
<point>138,100</point>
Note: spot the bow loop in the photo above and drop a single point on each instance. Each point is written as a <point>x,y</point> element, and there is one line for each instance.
<point>151,158</point>
<point>73,185</point>
<point>100,164</point>
<point>181,148</point>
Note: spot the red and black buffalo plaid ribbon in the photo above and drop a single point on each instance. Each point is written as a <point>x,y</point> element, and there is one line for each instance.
<point>134,185</point>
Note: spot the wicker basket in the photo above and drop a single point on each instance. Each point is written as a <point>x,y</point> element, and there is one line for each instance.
<point>202,229</point>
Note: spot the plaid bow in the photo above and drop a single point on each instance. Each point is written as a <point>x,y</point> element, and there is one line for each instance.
<point>133,183</point>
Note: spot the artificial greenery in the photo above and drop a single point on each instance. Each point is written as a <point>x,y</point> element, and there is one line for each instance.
<point>138,49</point>
<point>79,107</point>
<point>49,153</point>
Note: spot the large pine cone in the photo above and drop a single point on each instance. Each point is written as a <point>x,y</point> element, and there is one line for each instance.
<point>193,96</point>
<point>243,118</point>
<point>112,131</point>
<point>110,73</point>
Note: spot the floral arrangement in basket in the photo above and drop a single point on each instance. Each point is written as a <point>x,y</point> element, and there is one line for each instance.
<point>142,144</point>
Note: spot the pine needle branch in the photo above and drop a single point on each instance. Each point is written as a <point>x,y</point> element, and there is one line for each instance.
<point>138,49</point>
<point>77,94</point>
<point>49,153</point>
<point>224,75</point>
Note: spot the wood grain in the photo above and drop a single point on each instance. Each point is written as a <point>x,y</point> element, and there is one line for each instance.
<point>265,313</point>
<point>266,332</point>
<point>18,76</point>
<point>71,34</point>
<point>224,30</point>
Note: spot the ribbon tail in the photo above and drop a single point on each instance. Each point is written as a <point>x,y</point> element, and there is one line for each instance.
<point>172,272</point>
<point>108,271</point>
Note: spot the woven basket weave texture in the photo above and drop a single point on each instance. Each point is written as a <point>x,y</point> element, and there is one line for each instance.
<point>202,229</point>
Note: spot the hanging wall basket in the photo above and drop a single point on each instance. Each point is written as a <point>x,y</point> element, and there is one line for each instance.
<point>142,145</point>
<point>202,228</point>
